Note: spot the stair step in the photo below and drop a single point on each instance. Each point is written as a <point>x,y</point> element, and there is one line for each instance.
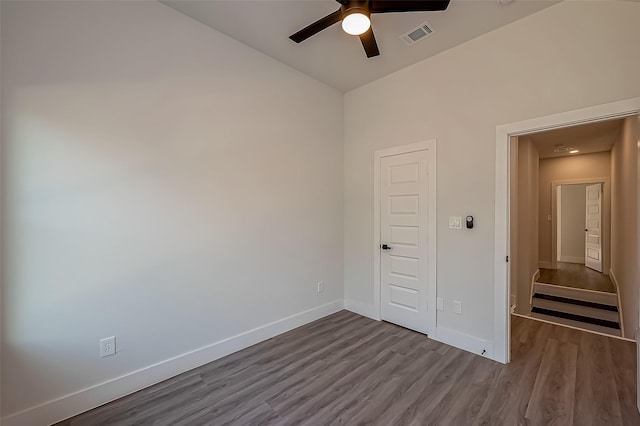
<point>579,302</point>
<point>599,297</point>
<point>561,304</point>
<point>580,318</point>
<point>577,324</point>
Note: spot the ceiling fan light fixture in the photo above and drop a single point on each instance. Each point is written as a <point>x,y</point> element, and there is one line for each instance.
<point>356,22</point>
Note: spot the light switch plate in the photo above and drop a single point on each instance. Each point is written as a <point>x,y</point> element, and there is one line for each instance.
<point>440,304</point>
<point>455,222</point>
<point>457,307</point>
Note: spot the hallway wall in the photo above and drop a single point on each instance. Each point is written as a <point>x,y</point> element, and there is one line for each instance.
<point>624,210</point>
<point>527,257</point>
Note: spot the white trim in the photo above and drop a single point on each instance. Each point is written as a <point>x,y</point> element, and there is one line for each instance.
<point>430,146</point>
<point>615,284</point>
<point>572,259</point>
<point>464,341</point>
<point>558,224</point>
<point>365,309</point>
<point>78,402</point>
<point>603,112</point>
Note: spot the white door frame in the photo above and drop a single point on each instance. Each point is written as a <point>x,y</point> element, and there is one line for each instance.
<point>620,109</point>
<point>429,146</point>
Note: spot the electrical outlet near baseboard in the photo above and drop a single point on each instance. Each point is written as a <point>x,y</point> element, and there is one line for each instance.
<point>108,346</point>
<point>457,307</point>
<point>320,286</point>
<point>440,304</point>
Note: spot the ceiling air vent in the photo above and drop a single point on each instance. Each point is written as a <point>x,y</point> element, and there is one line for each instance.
<point>417,34</point>
<point>560,148</point>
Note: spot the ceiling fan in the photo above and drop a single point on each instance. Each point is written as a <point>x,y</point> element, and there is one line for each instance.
<point>355,17</point>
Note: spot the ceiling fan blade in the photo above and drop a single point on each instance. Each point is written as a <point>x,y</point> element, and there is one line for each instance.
<point>387,6</point>
<point>317,26</point>
<point>369,43</point>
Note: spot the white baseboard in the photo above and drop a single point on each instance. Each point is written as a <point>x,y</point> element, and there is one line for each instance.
<point>464,342</point>
<point>572,259</point>
<point>78,402</point>
<point>620,315</point>
<point>546,265</point>
<point>361,308</point>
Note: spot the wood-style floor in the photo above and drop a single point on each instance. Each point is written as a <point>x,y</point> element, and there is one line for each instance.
<point>347,369</point>
<point>578,276</point>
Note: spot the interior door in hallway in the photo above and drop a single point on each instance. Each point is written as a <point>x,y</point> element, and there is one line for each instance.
<point>404,236</point>
<point>593,231</point>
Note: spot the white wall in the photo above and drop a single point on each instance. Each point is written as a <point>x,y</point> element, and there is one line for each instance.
<point>161,183</point>
<point>624,225</point>
<point>546,63</point>
<point>572,223</point>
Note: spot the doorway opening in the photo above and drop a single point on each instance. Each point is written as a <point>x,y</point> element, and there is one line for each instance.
<point>507,253</point>
<point>561,226</point>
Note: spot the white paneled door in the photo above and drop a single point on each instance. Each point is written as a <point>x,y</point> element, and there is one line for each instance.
<point>404,275</point>
<point>593,230</point>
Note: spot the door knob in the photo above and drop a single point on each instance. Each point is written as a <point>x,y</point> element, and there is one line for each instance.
<point>385,247</point>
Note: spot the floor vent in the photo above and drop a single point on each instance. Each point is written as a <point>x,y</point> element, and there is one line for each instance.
<point>417,34</point>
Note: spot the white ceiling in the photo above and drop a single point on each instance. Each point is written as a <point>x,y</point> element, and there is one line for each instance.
<point>336,58</point>
<point>587,138</point>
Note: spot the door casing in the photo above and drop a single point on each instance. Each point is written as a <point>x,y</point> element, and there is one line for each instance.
<point>620,109</point>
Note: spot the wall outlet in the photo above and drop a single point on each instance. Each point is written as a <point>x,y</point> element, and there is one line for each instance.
<point>440,304</point>
<point>455,222</point>
<point>108,346</point>
<point>320,286</point>
<point>457,307</point>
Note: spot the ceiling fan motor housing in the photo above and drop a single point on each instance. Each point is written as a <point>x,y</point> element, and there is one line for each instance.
<point>355,7</point>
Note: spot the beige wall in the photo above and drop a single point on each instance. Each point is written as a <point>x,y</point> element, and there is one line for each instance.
<point>527,258</point>
<point>572,221</point>
<point>624,232</point>
<point>584,166</point>
<point>459,97</point>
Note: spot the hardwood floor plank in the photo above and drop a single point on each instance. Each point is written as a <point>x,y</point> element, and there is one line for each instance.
<point>623,357</point>
<point>552,399</point>
<point>466,398</point>
<point>419,364</point>
<point>426,392</point>
<point>347,369</point>
<point>509,398</point>
<point>595,383</point>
